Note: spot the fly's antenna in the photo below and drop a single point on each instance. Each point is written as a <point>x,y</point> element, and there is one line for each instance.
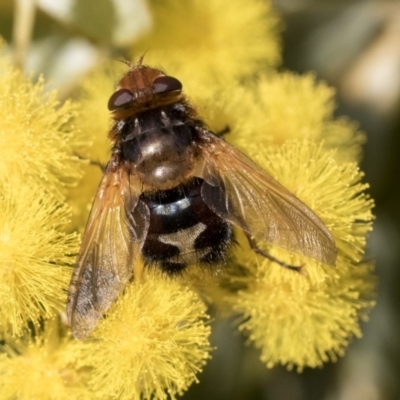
<point>140,61</point>
<point>128,63</point>
<point>138,64</point>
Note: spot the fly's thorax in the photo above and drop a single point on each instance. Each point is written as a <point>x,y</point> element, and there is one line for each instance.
<point>161,147</point>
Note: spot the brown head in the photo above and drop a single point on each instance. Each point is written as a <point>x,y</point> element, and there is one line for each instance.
<point>143,88</point>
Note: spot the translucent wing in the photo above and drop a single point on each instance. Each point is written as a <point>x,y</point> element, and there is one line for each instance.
<point>114,233</point>
<point>242,193</point>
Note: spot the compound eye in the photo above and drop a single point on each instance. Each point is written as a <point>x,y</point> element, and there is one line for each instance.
<point>120,98</point>
<point>166,84</point>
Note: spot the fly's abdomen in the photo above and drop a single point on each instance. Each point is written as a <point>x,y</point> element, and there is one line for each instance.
<point>183,230</point>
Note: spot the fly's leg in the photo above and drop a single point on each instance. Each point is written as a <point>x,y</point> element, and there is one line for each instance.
<point>223,132</point>
<point>93,162</point>
<point>265,254</point>
<point>98,164</point>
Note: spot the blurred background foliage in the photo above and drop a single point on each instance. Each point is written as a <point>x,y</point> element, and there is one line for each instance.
<point>355,46</point>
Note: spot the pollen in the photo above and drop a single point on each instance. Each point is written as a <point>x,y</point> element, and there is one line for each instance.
<point>35,254</point>
<point>153,343</point>
<point>38,139</point>
<point>305,320</point>
<point>41,367</point>
<point>234,39</point>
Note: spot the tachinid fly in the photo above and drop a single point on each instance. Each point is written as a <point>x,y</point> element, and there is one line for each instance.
<point>172,192</point>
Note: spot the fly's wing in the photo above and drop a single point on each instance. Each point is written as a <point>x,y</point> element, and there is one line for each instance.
<point>114,233</point>
<point>242,193</point>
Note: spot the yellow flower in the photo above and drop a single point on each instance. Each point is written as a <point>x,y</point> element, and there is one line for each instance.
<point>212,41</point>
<point>41,368</point>
<point>155,339</point>
<point>152,344</point>
<point>305,320</point>
<point>38,139</point>
<point>300,324</point>
<point>38,143</point>
<point>332,189</point>
<point>289,106</point>
<point>35,254</point>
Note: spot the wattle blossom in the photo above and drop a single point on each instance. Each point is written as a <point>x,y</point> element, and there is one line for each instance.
<point>154,340</point>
